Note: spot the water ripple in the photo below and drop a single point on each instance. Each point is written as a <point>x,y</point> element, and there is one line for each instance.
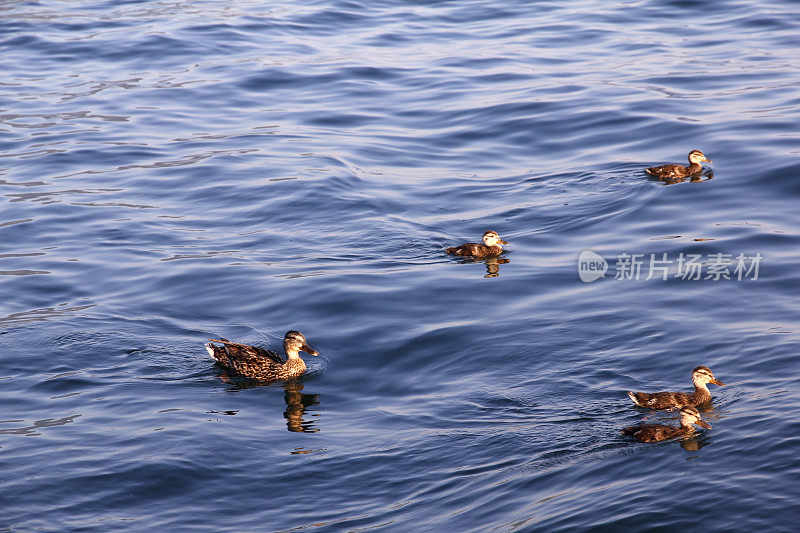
<point>189,170</point>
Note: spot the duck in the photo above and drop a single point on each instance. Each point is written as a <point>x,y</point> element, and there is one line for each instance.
<point>490,247</point>
<point>655,432</point>
<point>701,377</point>
<point>675,171</point>
<point>260,363</point>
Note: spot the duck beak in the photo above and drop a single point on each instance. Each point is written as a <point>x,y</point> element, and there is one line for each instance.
<point>309,350</point>
<point>715,381</point>
<point>703,423</point>
<point>501,241</point>
<point>707,160</point>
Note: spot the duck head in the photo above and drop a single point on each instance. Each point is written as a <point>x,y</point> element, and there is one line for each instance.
<point>690,415</point>
<point>702,375</point>
<point>491,238</point>
<point>294,342</point>
<point>696,156</point>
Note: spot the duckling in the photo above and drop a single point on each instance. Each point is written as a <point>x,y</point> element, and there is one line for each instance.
<point>490,247</point>
<point>655,432</point>
<point>701,377</point>
<point>260,363</point>
<point>673,172</point>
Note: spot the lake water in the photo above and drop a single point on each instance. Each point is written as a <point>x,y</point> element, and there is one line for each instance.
<point>172,171</point>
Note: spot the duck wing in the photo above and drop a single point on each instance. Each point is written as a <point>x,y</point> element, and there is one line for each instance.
<point>245,352</point>
<point>650,432</point>
<point>661,400</point>
<point>667,171</point>
<point>470,248</point>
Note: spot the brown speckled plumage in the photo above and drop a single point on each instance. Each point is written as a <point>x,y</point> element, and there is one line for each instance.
<point>657,432</point>
<point>260,363</point>
<point>489,248</point>
<point>475,249</point>
<point>701,376</point>
<point>676,172</point>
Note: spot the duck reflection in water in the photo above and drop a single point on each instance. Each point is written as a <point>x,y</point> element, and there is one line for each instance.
<point>695,442</point>
<point>706,175</point>
<point>297,402</point>
<point>492,265</point>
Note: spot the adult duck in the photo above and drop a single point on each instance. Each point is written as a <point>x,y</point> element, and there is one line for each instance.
<point>260,363</point>
<point>701,377</point>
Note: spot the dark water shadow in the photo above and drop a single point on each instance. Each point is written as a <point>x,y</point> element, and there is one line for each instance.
<point>34,428</point>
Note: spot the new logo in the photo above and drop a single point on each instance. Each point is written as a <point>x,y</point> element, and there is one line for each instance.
<point>591,266</point>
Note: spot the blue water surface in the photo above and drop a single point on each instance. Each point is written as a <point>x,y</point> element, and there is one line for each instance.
<point>173,171</point>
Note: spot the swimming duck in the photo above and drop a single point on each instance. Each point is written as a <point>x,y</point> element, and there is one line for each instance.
<point>260,363</point>
<point>701,377</point>
<point>673,172</point>
<point>490,247</point>
<point>655,432</point>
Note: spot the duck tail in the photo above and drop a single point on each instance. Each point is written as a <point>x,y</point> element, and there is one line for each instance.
<point>212,351</point>
<point>632,396</point>
<point>630,430</point>
<point>650,170</point>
